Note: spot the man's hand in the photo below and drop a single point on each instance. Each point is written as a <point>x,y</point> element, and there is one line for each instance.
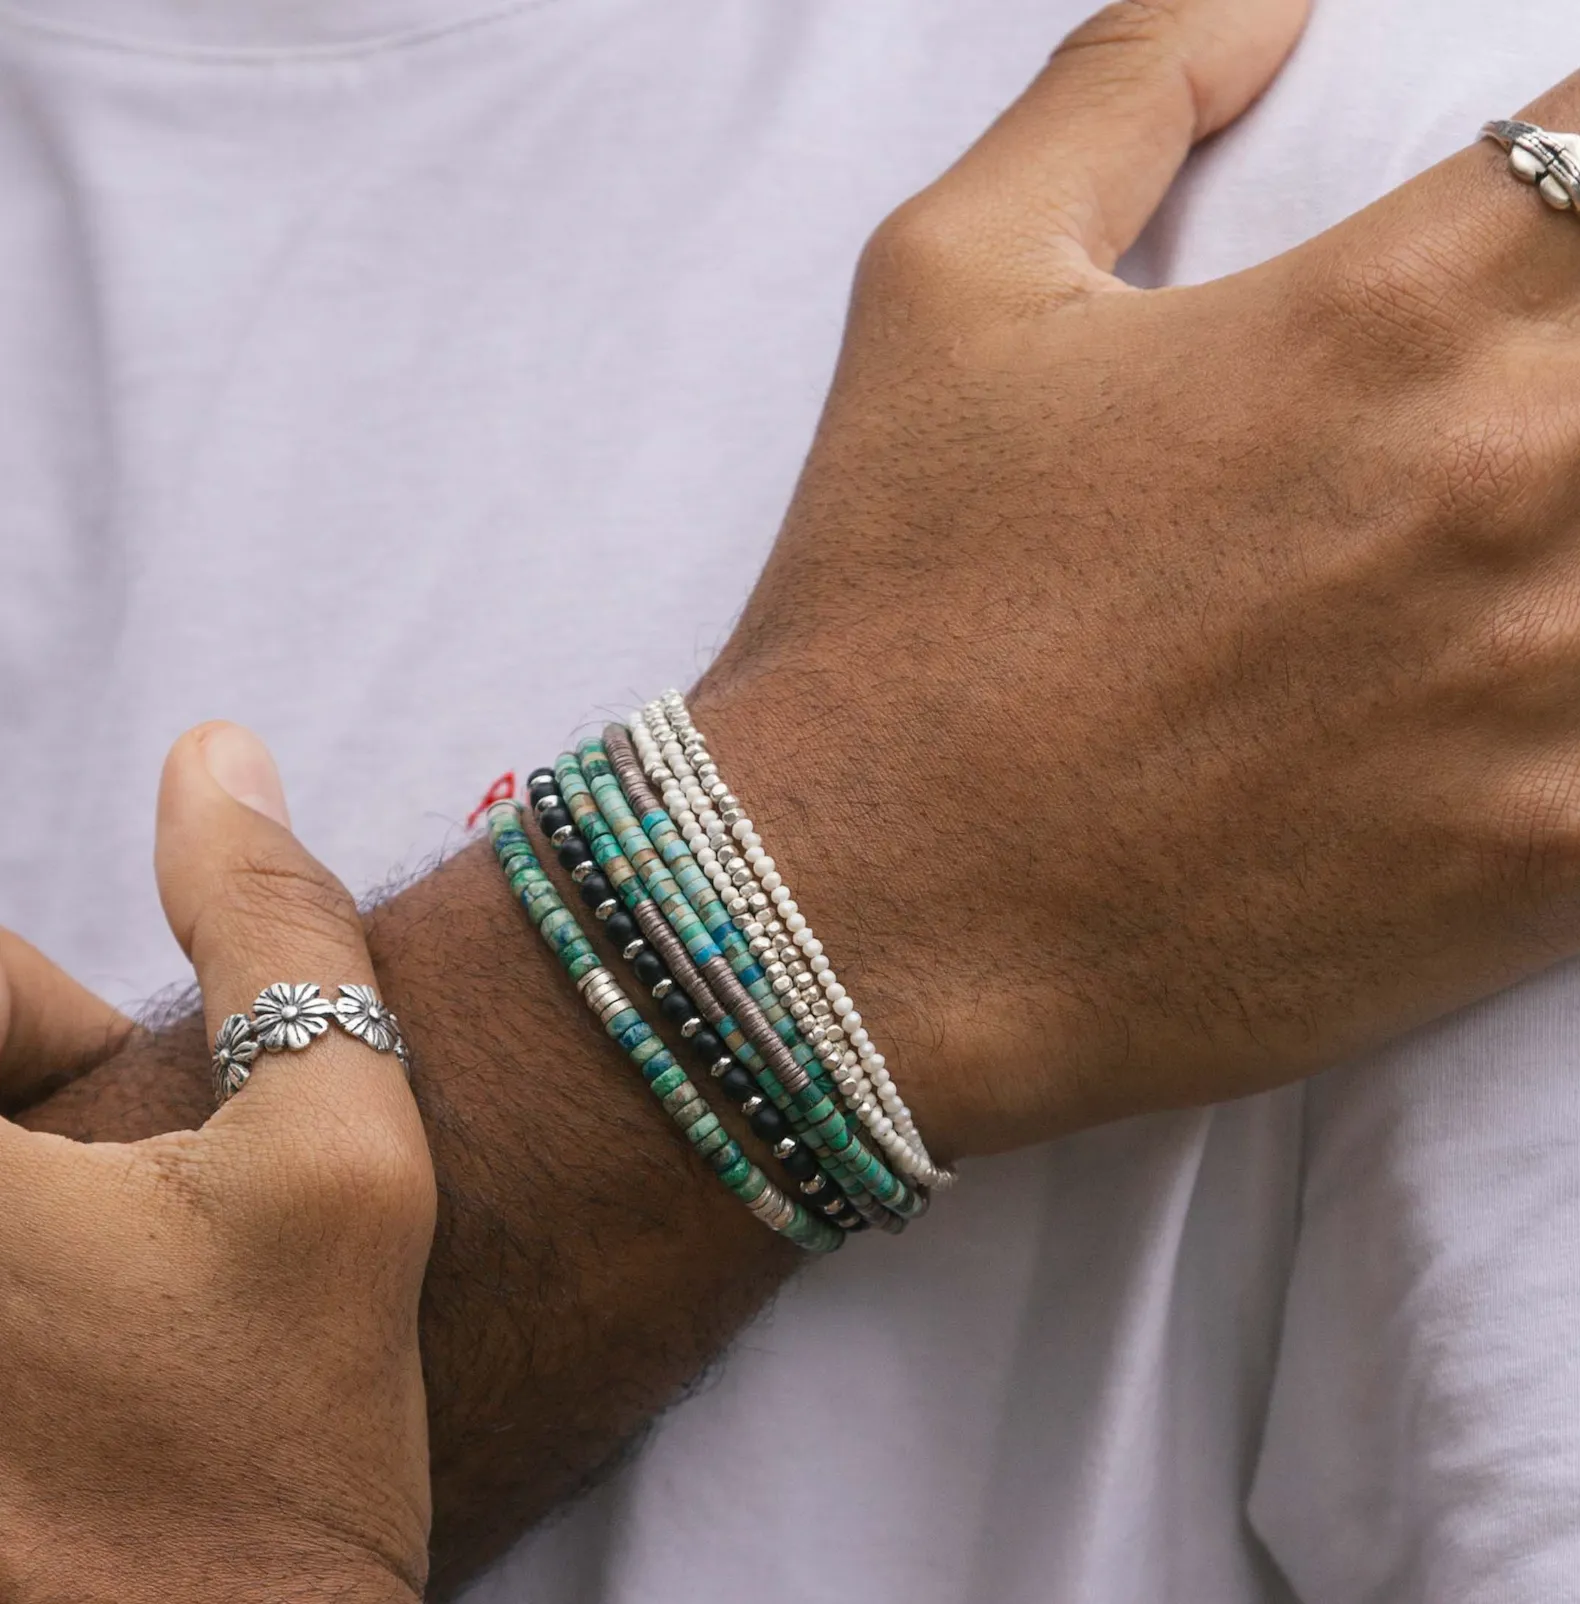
<point>1155,696</point>
<point>211,1386</point>
<point>1152,696</point>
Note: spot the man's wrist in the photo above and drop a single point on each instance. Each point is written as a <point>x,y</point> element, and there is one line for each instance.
<point>825,831</point>
<point>585,1266</point>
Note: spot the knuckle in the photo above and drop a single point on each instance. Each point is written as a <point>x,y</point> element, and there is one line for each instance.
<point>1401,302</point>
<point>1125,24</point>
<point>1537,632</point>
<point>1536,834</point>
<point>1526,650</point>
<point>926,249</point>
<point>288,893</point>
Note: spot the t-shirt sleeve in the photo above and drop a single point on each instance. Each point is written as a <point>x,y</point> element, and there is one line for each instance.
<point>1423,1437</point>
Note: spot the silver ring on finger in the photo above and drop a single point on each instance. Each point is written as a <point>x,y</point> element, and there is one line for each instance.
<point>290,1016</point>
<point>1537,156</point>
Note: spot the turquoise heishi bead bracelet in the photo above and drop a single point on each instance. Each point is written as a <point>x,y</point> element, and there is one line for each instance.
<point>810,1110</point>
<point>847,1154</point>
<point>574,800</point>
<point>680,1099</point>
<point>576,794</point>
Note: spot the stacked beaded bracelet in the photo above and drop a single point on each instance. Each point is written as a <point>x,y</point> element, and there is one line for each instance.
<point>722,955</point>
<point>872,1191</point>
<point>664,857</point>
<point>714,825</point>
<point>623,1022</point>
<point>660,964</point>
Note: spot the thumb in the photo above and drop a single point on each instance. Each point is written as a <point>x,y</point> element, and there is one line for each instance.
<point>253,909</point>
<point>1090,149</point>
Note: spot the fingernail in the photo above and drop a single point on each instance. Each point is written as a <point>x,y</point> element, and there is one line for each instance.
<point>241,766</point>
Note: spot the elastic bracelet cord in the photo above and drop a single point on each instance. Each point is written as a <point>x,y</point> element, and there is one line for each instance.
<point>623,1022</point>
<point>568,816</point>
<point>684,894</point>
<point>710,819</point>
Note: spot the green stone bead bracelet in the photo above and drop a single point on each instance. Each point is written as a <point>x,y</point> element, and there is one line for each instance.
<point>573,799</point>
<point>695,913</point>
<point>623,1022</point>
<point>576,796</point>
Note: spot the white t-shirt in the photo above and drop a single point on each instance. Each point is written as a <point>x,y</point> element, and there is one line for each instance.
<point>415,379</point>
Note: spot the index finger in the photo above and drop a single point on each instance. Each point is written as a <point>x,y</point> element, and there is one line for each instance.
<point>1089,149</point>
<point>52,1029</point>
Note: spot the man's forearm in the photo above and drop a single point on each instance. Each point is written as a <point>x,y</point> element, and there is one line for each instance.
<point>585,1268</point>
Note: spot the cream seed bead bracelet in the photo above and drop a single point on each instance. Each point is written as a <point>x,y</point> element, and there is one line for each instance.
<point>730,851</point>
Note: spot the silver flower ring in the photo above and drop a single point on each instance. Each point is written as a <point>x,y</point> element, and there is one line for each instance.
<point>289,1016</point>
